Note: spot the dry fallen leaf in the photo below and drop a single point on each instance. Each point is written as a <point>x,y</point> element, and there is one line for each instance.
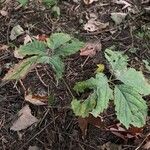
<point>3,47</point>
<point>33,148</point>
<point>36,99</point>
<point>90,49</point>
<point>147,145</point>
<point>110,146</point>
<point>17,55</point>
<point>122,2</point>
<point>118,17</point>
<point>25,119</point>
<point>16,31</point>
<point>93,25</point>
<point>42,37</point>
<point>83,123</point>
<point>132,132</point>
<point>3,13</point>
<point>27,39</point>
<point>87,2</point>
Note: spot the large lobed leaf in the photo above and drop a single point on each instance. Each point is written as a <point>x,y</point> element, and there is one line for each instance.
<point>130,107</point>
<point>102,93</point>
<point>128,76</point>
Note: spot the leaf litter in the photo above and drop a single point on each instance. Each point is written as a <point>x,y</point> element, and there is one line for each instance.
<point>97,30</point>
<point>93,25</point>
<point>91,48</point>
<point>25,120</point>
<point>36,99</point>
<point>118,17</point>
<point>16,31</point>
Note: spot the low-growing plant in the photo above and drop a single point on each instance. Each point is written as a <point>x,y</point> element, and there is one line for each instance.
<point>49,3</point>
<point>52,51</point>
<point>126,87</point>
<point>23,2</point>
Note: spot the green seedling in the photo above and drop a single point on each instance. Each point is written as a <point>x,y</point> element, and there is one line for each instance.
<point>52,51</point>
<point>131,109</point>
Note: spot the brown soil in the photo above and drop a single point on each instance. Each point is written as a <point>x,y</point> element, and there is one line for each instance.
<point>58,128</point>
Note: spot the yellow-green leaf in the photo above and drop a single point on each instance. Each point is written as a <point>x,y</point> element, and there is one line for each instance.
<point>21,69</point>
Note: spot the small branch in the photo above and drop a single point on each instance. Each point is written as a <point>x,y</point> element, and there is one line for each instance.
<point>40,78</point>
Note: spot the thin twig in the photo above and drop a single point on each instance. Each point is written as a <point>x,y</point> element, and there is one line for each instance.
<point>37,134</point>
<point>68,88</point>
<point>142,142</point>
<point>40,78</point>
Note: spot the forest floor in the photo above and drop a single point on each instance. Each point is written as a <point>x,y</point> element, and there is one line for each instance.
<point>57,127</point>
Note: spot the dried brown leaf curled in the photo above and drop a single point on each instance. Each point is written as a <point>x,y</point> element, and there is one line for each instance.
<point>93,25</point>
<point>84,122</point>
<point>36,99</point>
<point>90,49</point>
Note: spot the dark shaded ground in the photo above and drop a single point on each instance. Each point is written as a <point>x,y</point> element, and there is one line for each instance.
<point>58,127</point>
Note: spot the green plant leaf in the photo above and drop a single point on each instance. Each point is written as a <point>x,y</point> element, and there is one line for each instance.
<point>147,65</point>
<point>23,2</point>
<point>136,79</point>
<point>70,48</point>
<point>58,39</point>
<point>56,11</point>
<point>33,48</point>
<point>130,107</point>
<point>117,60</point>
<point>83,108</point>
<point>50,2</point>
<point>101,91</point>
<point>21,69</point>
<point>56,62</point>
<point>81,86</point>
<point>104,94</point>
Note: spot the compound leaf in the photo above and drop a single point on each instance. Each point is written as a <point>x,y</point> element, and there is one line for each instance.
<point>21,69</point>
<point>58,39</point>
<point>135,79</point>
<point>33,48</point>
<point>130,107</point>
